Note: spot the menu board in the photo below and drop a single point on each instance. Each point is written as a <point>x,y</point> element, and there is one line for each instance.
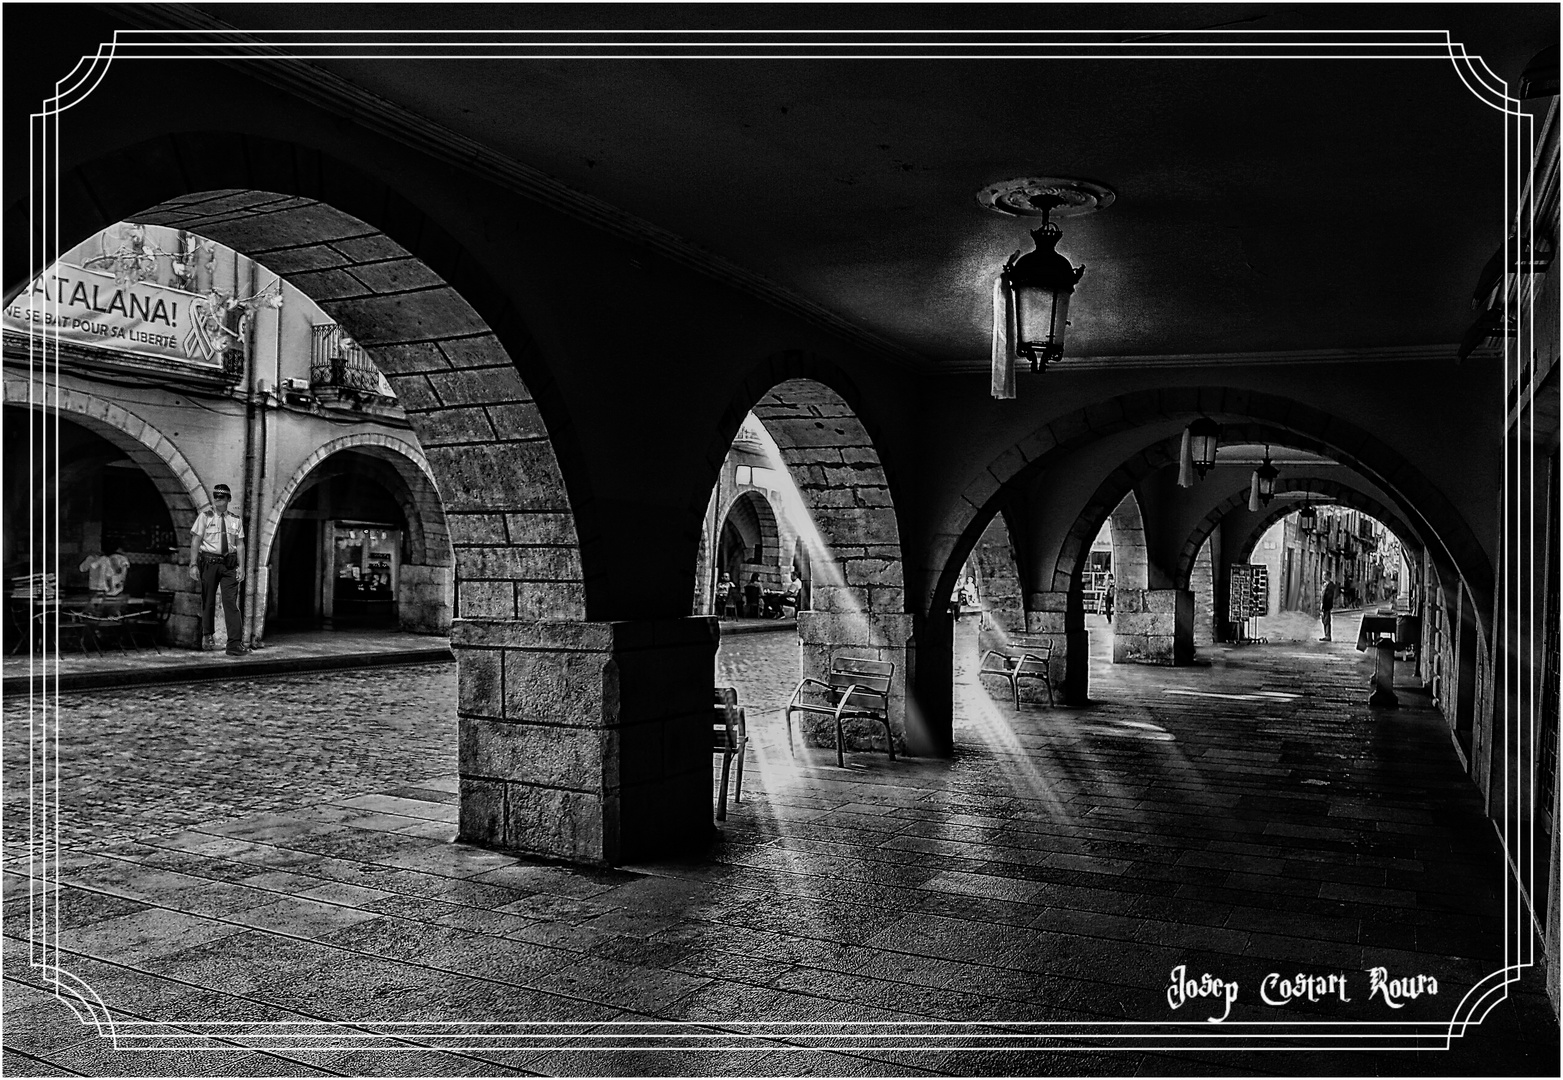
<point>1249,595</point>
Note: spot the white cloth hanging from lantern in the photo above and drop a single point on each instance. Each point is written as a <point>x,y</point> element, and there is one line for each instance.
<point>1003,344</point>
<point>1186,462</point>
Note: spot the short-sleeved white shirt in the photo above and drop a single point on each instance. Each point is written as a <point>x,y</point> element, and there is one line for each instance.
<point>106,573</point>
<point>207,528</point>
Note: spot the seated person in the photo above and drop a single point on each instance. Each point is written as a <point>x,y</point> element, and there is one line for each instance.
<point>792,593</point>
<point>752,595</point>
<point>106,574</point>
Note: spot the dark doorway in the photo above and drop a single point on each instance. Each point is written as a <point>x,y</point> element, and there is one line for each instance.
<point>298,590</point>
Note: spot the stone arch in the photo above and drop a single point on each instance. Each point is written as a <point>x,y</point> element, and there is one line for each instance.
<point>1003,597</point>
<point>753,515</point>
<point>1332,491</point>
<point>431,540</point>
<point>1121,482</point>
<point>811,410</point>
<point>497,436</point>
<point>156,455</point>
<point>814,414</point>
<point>1279,420</point>
<point>1130,563</point>
<point>452,345</point>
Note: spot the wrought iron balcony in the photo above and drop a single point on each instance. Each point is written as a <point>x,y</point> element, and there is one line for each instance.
<point>339,363</point>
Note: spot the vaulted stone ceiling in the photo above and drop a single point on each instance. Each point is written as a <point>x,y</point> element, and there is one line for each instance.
<point>1264,205</point>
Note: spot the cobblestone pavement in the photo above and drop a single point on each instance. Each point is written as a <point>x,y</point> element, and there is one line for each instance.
<point>259,880</point>
<point>157,759</point>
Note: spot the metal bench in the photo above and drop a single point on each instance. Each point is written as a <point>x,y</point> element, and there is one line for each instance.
<point>729,737</point>
<point>1022,657</point>
<point>855,689</point>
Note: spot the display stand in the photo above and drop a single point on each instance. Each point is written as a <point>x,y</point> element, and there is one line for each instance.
<point>1248,597</point>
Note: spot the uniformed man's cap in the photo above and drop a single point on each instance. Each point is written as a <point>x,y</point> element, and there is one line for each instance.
<point>221,489</point>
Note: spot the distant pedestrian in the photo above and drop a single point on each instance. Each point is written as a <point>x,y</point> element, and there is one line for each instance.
<point>217,562</point>
<point>1326,605</point>
<point>724,593</point>
<point>1108,595</point>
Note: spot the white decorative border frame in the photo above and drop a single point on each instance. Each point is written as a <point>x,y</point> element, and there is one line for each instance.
<point>43,369</point>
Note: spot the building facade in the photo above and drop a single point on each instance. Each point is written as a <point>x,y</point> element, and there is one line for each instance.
<point>182,364</point>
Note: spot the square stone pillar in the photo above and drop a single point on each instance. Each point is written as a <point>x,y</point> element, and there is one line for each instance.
<point>184,621</point>
<point>930,679</point>
<point>1050,615</point>
<point>423,596</point>
<point>870,636</point>
<point>1153,626</point>
<point>589,742</point>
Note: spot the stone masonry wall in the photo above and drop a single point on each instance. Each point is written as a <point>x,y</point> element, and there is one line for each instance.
<point>1153,626</point>
<point>825,635</point>
<point>423,596</point>
<point>1002,596</point>
<point>1049,614</point>
<point>1202,583</point>
<point>585,741</point>
<point>858,595</point>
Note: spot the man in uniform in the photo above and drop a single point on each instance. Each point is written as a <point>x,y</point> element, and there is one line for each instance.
<point>217,562</point>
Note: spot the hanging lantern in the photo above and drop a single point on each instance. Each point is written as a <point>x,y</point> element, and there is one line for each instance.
<point>1204,435</point>
<point>1037,287</point>
<point>1031,296</point>
<point>1266,476</point>
<point>1307,519</point>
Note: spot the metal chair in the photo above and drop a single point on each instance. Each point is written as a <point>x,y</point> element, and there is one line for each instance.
<point>1022,657</point>
<point>149,624</point>
<point>729,737</point>
<point>104,628</point>
<point>62,627</point>
<point>855,689</point>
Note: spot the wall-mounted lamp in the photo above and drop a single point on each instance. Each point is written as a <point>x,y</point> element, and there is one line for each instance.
<point>1031,296</point>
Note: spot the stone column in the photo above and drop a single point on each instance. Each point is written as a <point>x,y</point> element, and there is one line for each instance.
<point>930,727</point>
<point>1154,626</point>
<point>184,623</point>
<point>1060,617</point>
<point>423,595</point>
<point>869,635</point>
<point>586,741</point>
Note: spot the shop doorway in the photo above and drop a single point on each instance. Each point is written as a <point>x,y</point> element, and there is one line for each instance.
<point>341,547</point>
<point>364,559</point>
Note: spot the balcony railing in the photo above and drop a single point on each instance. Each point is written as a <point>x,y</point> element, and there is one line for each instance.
<point>337,362</point>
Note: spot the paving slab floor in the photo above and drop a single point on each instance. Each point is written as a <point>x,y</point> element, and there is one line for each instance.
<point>258,877</point>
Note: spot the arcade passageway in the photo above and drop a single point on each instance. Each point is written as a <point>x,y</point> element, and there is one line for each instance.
<point>634,292</point>
<point>1248,818</point>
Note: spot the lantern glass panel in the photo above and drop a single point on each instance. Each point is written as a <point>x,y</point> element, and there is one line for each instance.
<point>1203,448</point>
<point>1040,316</point>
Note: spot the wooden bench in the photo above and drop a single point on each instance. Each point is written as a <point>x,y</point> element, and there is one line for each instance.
<point>729,737</point>
<point>855,689</point>
<point>1024,656</point>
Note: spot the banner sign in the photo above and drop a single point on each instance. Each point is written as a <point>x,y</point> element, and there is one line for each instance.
<point>1249,594</point>
<point>87,307</point>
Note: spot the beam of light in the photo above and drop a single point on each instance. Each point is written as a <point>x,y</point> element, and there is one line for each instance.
<point>1227,697</point>
<point>823,567</point>
<point>787,788</point>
